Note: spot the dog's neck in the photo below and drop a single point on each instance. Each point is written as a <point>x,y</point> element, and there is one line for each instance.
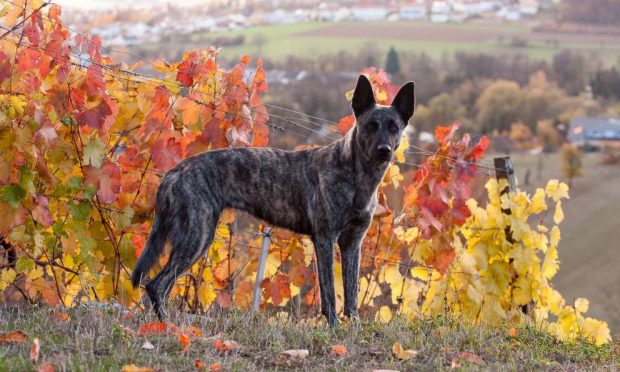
<point>367,171</point>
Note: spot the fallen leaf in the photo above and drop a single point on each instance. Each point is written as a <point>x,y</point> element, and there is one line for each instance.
<point>60,316</point>
<point>128,315</point>
<point>215,367</point>
<point>156,328</point>
<point>296,353</point>
<point>34,351</point>
<point>513,332</point>
<point>184,340</point>
<point>199,365</point>
<point>13,337</point>
<point>454,364</point>
<point>128,331</point>
<point>471,357</point>
<point>135,368</point>
<point>225,345</point>
<point>339,350</point>
<point>45,368</point>
<point>402,354</point>
<point>193,332</point>
<point>147,345</point>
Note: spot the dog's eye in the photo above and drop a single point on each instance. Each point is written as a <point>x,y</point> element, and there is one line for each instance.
<point>393,127</point>
<point>373,125</point>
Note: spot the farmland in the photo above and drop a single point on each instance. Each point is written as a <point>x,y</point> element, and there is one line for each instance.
<point>436,40</point>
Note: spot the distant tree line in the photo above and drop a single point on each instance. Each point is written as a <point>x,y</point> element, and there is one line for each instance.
<point>591,11</point>
<point>488,93</point>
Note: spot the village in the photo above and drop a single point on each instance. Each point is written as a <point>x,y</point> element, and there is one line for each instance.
<point>119,23</point>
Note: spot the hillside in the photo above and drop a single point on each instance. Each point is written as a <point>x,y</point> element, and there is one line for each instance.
<point>590,235</point>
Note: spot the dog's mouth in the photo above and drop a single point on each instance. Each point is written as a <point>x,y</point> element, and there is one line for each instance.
<point>383,156</point>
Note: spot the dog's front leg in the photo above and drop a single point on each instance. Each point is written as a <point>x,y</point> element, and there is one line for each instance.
<point>324,248</point>
<point>350,243</point>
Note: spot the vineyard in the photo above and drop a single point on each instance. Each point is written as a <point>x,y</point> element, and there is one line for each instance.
<point>84,142</point>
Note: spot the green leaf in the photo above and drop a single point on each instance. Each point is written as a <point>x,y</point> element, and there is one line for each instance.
<point>13,195</point>
<point>24,264</point>
<point>74,182</point>
<point>80,211</point>
<point>94,153</point>
<point>68,121</point>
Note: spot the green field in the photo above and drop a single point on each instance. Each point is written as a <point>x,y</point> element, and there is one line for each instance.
<point>437,40</point>
<point>590,240</point>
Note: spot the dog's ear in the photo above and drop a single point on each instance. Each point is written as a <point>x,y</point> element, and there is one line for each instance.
<point>363,97</point>
<point>405,101</point>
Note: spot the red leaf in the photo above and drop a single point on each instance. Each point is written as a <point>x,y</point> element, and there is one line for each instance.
<point>166,153</point>
<point>106,180</point>
<point>13,337</point>
<point>442,260</point>
<point>41,212</point>
<point>277,289</point>
<point>156,328</point>
<point>345,124</point>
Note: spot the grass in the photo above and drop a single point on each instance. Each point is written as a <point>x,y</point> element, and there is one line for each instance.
<point>437,40</point>
<point>95,339</point>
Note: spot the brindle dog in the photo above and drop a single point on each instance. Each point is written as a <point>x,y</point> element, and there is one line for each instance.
<point>328,193</point>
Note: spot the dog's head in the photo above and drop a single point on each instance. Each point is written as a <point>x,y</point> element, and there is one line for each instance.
<point>379,127</point>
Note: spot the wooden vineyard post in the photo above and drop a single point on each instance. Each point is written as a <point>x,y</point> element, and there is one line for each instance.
<point>261,267</point>
<point>505,171</point>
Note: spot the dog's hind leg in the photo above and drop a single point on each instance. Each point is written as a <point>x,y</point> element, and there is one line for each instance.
<point>188,245</point>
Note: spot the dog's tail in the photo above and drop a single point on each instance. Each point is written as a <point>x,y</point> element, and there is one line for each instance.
<point>152,250</point>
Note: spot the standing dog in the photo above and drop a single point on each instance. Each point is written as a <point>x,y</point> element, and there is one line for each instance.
<point>328,193</point>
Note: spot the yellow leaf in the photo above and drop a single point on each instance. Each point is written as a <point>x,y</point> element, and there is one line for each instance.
<point>596,331</point>
<point>400,151</point>
<point>581,305</point>
<point>135,368</point>
<point>296,353</point>
<point>7,278</point>
<point>537,204</point>
<point>402,354</point>
<point>384,314</point>
<point>554,237</point>
<point>550,264</point>
<point>556,190</point>
<point>558,216</point>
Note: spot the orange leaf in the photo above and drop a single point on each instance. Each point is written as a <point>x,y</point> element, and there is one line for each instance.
<point>215,367</point>
<point>400,353</point>
<point>193,332</point>
<point>513,332</point>
<point>13,337</point>
<point>471,357</point>
<point>345,124</point>
<point>199,365</point>
<point>156,328</point>
<point>45,368</point>
<point>60,316</point>
<point>339,350</point>
<point>225,345</point>
<point>184,340</point>
<point>34,351</point>
<point>135,368</point>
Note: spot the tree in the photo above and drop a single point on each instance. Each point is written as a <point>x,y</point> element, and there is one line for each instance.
<point>571,162</point>
<point>499,106</point>
<point>570,70</point>
<point>392,65</point>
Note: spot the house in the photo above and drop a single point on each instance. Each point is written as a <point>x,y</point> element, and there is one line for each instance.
<point>529,7</point>
<point>440,12</point>
<point>595,132</point>
<point>369,12</point>
<point>412,11</point>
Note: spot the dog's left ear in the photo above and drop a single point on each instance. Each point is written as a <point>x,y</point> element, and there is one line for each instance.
<point>404,101</point>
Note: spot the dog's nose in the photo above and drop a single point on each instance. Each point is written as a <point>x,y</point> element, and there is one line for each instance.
<point>384,149</point>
